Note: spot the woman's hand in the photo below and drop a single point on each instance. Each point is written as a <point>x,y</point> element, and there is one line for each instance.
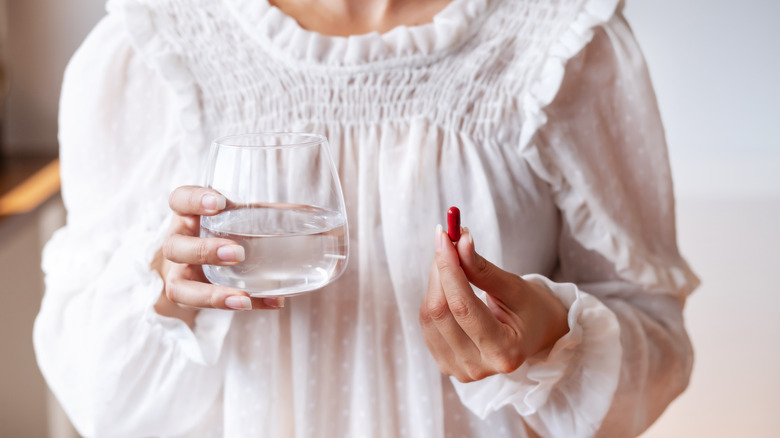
<point>183,253</point>
<point>470,340</point>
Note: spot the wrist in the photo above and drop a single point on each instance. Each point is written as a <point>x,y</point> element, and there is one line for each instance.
<point>552,318</point>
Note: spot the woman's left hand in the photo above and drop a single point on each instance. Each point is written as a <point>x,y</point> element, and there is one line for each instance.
<point>471,340</point>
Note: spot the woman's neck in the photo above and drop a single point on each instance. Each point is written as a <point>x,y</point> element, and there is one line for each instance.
<point>354,17</point>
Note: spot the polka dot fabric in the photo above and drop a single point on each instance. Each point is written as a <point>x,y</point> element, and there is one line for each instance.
<point>536,118</point>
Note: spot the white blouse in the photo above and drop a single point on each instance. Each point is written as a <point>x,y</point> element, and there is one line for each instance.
<point>535,117</point>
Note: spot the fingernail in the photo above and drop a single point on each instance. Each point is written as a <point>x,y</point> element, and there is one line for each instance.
<point>213,202</point>
<point>238,302</point>
<point>439,234</point>
<point>231,253</point>
<point>471,245</point>
<point>274,303</point>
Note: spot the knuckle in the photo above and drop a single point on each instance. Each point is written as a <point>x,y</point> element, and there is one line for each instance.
<point>202,250</point>
<point>460,308</point>
<point>437,310</point>
<point>507,363</point>
<point>216,300</point>
<point>442,263</point>
<point>194,199</point>
<point>171,290</point>
<point>470,368</point>
<point>489,270</point>
<point>475,372</point>
<point>492,273</point>
<point>425,317</point>
<point>168,247</point>
<point>462,377</point>
<point>446,269</point>
<point>482,264</point>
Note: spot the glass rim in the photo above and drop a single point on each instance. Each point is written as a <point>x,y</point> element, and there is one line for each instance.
<point>310,139</point>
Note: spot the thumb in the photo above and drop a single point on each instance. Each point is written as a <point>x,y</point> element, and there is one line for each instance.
<point>497,282</point>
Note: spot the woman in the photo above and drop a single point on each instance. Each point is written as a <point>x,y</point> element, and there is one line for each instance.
<point>536,118</point>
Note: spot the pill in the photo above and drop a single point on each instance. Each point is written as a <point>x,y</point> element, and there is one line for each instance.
<point>453,223</point>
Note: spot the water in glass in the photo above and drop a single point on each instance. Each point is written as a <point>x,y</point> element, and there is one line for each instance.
<point>289,248</point>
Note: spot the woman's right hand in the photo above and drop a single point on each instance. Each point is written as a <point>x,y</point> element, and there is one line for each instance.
<point>183,253</point>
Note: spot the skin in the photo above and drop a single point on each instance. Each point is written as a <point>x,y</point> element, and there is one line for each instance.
<point>183,253</point>
<point>356,17</point>
<point>469,339</point>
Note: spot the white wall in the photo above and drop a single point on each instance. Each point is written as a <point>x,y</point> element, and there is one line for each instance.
<point>714,64</point>
<point>733,321</point>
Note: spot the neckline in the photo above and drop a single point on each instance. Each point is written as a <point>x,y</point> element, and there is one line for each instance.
<point>282,34</point>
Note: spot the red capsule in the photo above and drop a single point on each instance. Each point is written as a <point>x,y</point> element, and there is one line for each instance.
<point>453,223</point>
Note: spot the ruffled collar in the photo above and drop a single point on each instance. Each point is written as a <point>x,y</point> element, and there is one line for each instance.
<point>282,34</point>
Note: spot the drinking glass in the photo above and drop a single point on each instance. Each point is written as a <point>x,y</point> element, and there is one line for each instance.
<point>284,206</point>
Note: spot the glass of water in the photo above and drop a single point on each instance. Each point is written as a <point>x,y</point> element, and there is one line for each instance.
<point>284,206</point>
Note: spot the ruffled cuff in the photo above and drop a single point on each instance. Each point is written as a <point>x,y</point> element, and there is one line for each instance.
<point>102,347</point>
<point>130,274</point>
<point>584,365</point>
<point>201,345</point>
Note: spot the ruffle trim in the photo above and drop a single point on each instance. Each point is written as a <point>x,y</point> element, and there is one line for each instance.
<point>151,45</point>
<point>136,252</point>
<point>595,231</point>
<point>594,336</point>
<point>281,33</point>
<point>592,228</point>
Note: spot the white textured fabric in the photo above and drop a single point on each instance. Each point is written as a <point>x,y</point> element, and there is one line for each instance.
<point>535,117</point>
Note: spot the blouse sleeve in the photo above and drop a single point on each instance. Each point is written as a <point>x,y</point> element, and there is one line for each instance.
<point>117,367</point>
<point>599,143</point>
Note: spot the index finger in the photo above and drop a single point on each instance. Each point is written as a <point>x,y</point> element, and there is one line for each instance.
<point>194,200</point>
<point>474,317</point>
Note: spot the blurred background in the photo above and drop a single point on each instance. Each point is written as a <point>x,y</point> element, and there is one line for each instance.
<point>715,66</point>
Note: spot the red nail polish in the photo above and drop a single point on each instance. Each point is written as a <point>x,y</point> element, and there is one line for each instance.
<point>453,223</point>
